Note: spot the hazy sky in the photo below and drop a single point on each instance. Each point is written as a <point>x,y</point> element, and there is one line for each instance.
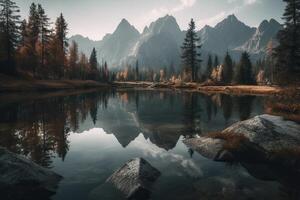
<point>95,18</point>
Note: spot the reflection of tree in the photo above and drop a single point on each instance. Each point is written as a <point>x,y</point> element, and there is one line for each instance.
<point>94,111</point>
<point>288,192</point>
<point>191,152</point>
<point>226,104</point>
<point>245,106</point>
<point>40,129</point>
<point>209,107</point>
<point>137,100</point>
<point>191,114</point>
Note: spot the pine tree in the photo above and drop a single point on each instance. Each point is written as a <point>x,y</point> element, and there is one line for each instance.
<point>9,35</point>
<point>137,74</point>
<point>172,70</point>
<point>73,60</point>
<point>288,51</point>
<point>243,74</point>
<point>94,73</point>
<point>190,51</point>
<point>216,61</point>
<point>23,32</point>
<point>33,31</point>
<point>44,32</point>
<point>209,66</point>
<point>227,72</point>
<point>59,45</point>
<point>105,72</point>
<point>83,66</point>
<point>93,60</point>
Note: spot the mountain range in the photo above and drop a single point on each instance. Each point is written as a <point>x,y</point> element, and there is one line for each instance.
<point>159,44</point>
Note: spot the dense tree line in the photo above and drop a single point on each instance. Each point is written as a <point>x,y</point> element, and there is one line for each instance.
<point>35,48</point>
<point>288,52</point>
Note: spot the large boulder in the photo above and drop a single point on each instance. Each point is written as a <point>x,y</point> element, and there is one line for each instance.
<point>272,133</point>
<point>21,178</point>
<point>207,147</point>
<point>135,178</point>
<point>266,138</point>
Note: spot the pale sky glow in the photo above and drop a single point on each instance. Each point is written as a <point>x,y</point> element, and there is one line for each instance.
<point>95,18</point>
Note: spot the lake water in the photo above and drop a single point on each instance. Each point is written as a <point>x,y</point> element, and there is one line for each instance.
<point>86,137</point>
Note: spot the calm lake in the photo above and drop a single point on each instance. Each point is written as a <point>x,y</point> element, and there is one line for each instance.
<point>86,137</point>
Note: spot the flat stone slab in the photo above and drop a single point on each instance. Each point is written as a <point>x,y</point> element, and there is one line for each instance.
<point>20,176</point>
<point>135,178</point>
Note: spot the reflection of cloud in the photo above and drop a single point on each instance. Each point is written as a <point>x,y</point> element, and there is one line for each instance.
<point>150,149</point>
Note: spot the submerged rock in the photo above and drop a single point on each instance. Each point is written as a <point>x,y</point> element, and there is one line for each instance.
<point>21,178</point>
<point>135,178</point>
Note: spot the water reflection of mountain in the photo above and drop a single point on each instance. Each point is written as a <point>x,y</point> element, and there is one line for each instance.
<point>39,129</point>
<point>163,117</point>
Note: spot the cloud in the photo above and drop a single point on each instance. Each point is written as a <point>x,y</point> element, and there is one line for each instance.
<point>221,15</point>
<point>250,2</point>
<point>161,11</point>
<point>212,20</point>
<point>183,5</point>
<point>244,2</point>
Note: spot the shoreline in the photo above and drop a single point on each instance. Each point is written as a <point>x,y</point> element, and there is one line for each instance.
<point>196,87</point>
<point>18,85</point>
<point>13,85</point>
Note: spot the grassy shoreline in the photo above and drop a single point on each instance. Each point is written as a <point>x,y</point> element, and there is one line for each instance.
<point>9,84</point>
<point>196,87</point>
<point>14,85</point>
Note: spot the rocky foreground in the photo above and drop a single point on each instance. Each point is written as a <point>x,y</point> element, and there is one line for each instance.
<point>21,178</point>
<point>264,138</point>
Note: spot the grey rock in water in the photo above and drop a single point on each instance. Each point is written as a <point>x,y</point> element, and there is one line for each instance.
<point>272,133</point>
<point>266,135</point>
<point>21,178</point>
<point>207,147</point>
<point>135,178</point>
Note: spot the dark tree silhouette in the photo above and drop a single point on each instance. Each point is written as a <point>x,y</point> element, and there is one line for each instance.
<point>243,74</point>
<point>288,51</point>
<point>9,35</point>
<point>59,47</point>
<point>44,34</point>
<point>93,59</point>
<point>23,31</point>
<point>33,31</point>
<point>190,51</point>
<point>209,66</point>
<point>216,61</point>
<point>73,60</point>
<point>227,72</point>
<point>137,73</point>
